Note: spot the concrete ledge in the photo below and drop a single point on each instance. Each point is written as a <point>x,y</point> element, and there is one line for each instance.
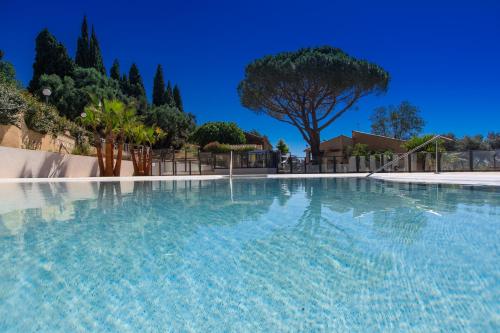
<point>462,178</point>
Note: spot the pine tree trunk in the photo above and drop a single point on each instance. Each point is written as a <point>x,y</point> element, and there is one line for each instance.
<point>315,151</point>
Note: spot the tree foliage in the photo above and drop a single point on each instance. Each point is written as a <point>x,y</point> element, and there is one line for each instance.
<point>359,149</point>
<point>113,121</point>
<point>282,147</point>
<point>176,95</point>
<point>401,122</point>
<point>169,95</point>
<point>114,72</point>
<point>419,140</point>
<point>71,94</point>
<point>88,51</point>
<point>41,117</point>
<point>494,140</point>
<point>95,56</point>
<point>159,94</point>
<point>176,124</point>
<point>309,88</point>
<point>223,132</point>
<point>135,88</point>
<point>7,71</point>
<point>51,58</point>
<point>82,57</point>
<point>12,104</point>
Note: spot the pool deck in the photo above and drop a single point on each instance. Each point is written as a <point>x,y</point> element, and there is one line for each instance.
<point>463,178</point>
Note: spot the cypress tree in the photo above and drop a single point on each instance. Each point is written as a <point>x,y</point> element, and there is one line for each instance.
<point>124,85</point>
<point>114,72</point>
<point>135,81</point>
<point>82,46</point>
<point>95,54</point>
<point>159,96</point>
<point>51,57</point>
<point>177,98</point>
<point>169,95</point>
<point>136,89</point>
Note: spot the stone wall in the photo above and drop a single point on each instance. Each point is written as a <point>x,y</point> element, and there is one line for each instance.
<point>24,163</point>
<point>22,137</point>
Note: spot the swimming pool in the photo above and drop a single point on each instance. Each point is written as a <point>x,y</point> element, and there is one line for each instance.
<point>266,255</point>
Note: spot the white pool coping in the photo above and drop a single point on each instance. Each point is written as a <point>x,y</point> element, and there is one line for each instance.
<point>461,178</point>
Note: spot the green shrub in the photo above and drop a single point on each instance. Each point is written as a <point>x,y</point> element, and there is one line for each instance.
<point>41,117</point>
<point>81,149</point>
<point>418,140</point>
<point>223,132</point>
<point>359,149</point>
<point>216,147</point>
<point>12,104</point>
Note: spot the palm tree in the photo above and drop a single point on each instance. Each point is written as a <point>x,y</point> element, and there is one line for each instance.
<point>142,154</point>
<point>111,120</point>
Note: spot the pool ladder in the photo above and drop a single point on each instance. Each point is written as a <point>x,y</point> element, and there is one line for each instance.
<point>399,158</point>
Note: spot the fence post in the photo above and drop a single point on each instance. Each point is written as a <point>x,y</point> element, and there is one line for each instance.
<point>174,166</point>
<point>199,162</point>
<point>185,159</point>
<point>190,167</point>
<point>305,166</point>
<point>409,162</point>
<point>291,163</point>
<point>159,163</point>
<point>334,165</point>
<point>471,160</point>
<point>357,163</point>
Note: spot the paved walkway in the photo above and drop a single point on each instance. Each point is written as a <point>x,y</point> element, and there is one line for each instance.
<point>464,178</point>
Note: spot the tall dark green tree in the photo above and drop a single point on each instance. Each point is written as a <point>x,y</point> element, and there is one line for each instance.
<point>51,57</point>
<point>82,47</point>
<point>169,95</point>
<point>310,88</point>
<point>95,53</point>
<point>159,95</point>
<point>135,89</point>
<point>177,98</point>
<point>114,72</point>
<point>124,85</point>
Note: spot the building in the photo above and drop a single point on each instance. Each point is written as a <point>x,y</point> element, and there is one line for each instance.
<point>262,141</point>
<point>338,146</point>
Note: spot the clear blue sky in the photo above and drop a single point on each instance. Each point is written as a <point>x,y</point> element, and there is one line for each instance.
<point>442,55</point>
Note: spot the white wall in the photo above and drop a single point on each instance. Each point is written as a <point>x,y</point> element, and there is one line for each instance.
<point>23,163</point>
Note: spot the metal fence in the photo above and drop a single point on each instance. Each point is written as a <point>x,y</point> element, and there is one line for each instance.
<point>180,162</point>
<point>474,160</point>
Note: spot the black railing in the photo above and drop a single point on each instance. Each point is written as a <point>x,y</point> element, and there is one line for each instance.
<point>185,162</point>
<point>473,160</point>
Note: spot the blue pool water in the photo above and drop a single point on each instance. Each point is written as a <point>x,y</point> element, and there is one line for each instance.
<point>288,255</point>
